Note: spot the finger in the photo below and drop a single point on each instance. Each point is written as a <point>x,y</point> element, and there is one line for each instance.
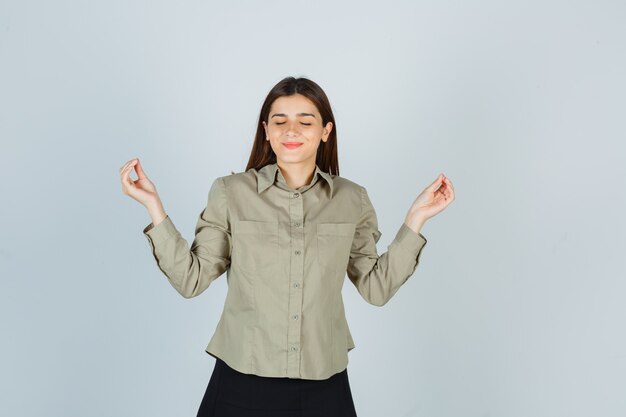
<point>451,187</point>
<point>126,175</point>
<point>448,182</point>
<point>126,164</point>
<point>131,164</point>
<point>123,167</point>
<point>446,191</point>
<point>140,173</point>
<point>435,184</point>
<point>450,194</point>
<point>445,186</point>
<point>123,171</point>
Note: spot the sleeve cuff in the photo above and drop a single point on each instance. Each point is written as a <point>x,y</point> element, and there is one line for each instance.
<point>161,231</point>
<point>409,240</point>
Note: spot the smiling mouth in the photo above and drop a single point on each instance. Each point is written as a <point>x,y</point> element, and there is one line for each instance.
<point>292,145</point>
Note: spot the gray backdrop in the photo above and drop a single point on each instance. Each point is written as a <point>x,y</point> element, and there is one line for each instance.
<point>517,306</point>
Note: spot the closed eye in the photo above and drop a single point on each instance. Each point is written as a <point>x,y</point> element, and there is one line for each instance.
<point>306,124</point>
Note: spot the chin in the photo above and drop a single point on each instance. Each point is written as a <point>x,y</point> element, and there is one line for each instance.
<point>288,158</point>
<point>291,158</point>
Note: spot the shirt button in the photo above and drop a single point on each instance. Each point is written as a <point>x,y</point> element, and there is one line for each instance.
<point>297,224</point>
<point>295,317</point>
<point>296,195</point>
<point>296,285</point>
<point>294,348</point>
<point>297,252</point>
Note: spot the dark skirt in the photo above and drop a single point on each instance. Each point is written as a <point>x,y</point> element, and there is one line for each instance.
<point>231,393</point>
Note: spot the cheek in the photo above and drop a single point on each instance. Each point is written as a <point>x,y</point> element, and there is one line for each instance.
<point>312,134</point>
<point>272,134</point>
<point>275,132</point>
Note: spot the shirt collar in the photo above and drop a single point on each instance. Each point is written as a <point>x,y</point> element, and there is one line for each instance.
<point>266,176</point>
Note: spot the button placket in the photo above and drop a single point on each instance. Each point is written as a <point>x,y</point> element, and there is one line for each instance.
<point>296,274</point>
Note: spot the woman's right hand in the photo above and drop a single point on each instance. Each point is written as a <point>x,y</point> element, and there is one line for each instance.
<point>141,189</point>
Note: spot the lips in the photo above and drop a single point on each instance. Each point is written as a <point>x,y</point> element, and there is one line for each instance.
<point>292,145</point>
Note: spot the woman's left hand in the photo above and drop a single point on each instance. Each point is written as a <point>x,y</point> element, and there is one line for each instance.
<point>436,197</point>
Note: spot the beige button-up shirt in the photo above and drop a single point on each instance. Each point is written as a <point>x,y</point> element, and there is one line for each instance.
<point>286,253</point>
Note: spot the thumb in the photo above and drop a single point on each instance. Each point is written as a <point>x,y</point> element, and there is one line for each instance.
<point>435,184</point>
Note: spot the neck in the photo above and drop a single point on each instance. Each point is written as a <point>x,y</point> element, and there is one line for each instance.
<point>297,174</point>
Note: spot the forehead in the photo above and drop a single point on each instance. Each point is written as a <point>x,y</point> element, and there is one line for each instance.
<point>293,104</point>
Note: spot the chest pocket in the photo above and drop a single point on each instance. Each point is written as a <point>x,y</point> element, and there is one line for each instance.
<point>255,246</point>
<point>334,241</point>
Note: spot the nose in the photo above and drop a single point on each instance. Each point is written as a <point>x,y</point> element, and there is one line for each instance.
<point>293,129</point>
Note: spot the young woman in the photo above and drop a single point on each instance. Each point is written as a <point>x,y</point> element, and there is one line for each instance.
<point>286,231</point>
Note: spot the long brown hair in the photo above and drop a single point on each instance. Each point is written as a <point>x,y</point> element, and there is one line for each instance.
<point>262,153</point>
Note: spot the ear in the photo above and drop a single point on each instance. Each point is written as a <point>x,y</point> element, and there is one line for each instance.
<point>327,130</point>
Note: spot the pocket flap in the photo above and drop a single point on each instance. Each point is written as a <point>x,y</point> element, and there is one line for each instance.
<point>256,227</point>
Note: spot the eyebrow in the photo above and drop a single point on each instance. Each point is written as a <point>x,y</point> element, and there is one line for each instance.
<point>299,114</point>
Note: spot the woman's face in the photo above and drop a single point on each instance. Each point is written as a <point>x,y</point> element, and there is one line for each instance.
<point>295,120</point>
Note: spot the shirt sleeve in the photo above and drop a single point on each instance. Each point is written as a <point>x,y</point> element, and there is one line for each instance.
<point>378,278</point>
<point>191,270</point>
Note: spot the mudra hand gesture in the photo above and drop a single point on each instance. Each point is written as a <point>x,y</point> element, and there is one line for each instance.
<point>434,199</point>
